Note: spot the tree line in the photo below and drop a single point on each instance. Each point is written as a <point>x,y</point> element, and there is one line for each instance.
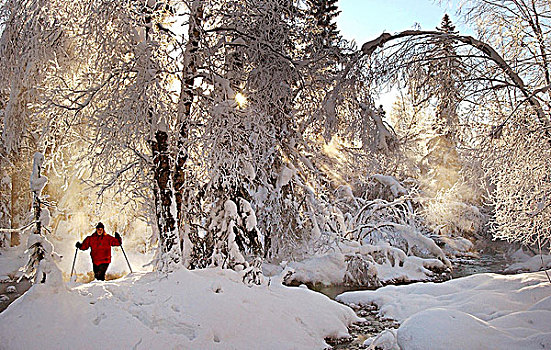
<point>214,117</point>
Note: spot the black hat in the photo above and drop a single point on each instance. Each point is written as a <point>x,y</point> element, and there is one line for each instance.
<point>100,225</point>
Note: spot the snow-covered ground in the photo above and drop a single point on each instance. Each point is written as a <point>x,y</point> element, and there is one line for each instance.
<point>214,309</point>
<point>11,259</point>
<point>203,309</point>
<point>483,311</point>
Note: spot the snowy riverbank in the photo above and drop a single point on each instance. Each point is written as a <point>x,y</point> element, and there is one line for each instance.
<point>483,311</point>
<point>212,308</point>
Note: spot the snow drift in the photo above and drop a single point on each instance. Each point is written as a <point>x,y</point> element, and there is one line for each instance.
<point>201,309</point>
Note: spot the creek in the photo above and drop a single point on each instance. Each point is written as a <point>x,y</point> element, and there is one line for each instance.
<point>375,324</point>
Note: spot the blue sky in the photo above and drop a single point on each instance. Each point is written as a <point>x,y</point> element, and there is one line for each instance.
<point>364,20</point>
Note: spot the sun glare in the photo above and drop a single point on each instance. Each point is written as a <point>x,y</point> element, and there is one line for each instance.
<point>240,99</point>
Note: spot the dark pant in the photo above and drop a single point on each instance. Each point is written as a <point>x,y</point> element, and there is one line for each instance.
<point>99,271</point>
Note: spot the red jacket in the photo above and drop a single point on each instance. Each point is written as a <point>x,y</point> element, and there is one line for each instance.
<point>100,247</point>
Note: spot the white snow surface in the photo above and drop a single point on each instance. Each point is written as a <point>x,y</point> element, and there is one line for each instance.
<point>201,309</point>
<point>395,187</point>
<point>531,264</point>
<point>483,311</point>
<point>330,268</point>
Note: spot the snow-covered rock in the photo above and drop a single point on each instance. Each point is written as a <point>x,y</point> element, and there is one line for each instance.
<point>454,246</point>
<point>532,264</point>
<point>5,279</point>
<point>386,340</point>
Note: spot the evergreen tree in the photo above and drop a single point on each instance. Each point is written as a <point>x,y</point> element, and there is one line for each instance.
<point>448,70</point>
<point>325,13</point>
<point>441,162</point>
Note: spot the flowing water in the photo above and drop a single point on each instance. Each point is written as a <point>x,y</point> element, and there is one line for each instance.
<point>466,266</point>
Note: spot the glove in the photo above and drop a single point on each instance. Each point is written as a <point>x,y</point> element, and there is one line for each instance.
<point>118,237</point>
<point>78,245</point>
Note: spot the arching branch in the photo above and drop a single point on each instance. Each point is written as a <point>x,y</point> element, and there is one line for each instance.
<point>487,50</point>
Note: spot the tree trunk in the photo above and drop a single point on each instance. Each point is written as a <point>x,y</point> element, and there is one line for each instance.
<point>5,205</point>
<point>184,116</point>
<point>20,198</point>
<point>165,205</point>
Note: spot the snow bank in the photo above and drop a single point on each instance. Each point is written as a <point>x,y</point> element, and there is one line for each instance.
<point>454,246</point>
<point>390,265</point>
<point>11,259</point>
<point>532,264</point>
<point>476,312</point>
<point>202,309</point>
<point>325,269</point>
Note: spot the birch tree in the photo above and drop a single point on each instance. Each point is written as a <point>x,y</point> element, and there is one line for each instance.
<point>505,94</point>
<point>517,157</point>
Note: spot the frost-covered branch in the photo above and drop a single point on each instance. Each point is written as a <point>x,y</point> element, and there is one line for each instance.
<point>489,53</point>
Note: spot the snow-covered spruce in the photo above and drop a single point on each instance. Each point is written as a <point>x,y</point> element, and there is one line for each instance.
<point>42,263</point>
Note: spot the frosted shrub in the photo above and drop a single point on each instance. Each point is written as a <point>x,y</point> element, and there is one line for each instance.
<point>361,271</point>
<point>378,222</point>
<point>450,214</point>
<point>522,194</point>
<point>252,275</point>
<point>42,258</point>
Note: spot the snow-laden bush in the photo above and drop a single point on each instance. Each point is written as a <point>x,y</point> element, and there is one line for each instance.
<point>373,241</point>
<point>363,265</point>
<point>449,213</point>
<point>361,271</point>
<point>394,222</point>
<point>521,193</point>
<point>42,264</point>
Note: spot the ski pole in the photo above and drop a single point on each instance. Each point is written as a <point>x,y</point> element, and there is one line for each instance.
<point>73,268</point>
<point>126,259</point>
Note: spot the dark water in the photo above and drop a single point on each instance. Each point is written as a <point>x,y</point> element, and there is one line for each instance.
<point>333,291</point>
<point>466,266</point>
<point>20,287</point>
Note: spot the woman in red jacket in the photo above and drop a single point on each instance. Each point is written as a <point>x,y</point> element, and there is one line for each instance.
<point>100,244</point>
